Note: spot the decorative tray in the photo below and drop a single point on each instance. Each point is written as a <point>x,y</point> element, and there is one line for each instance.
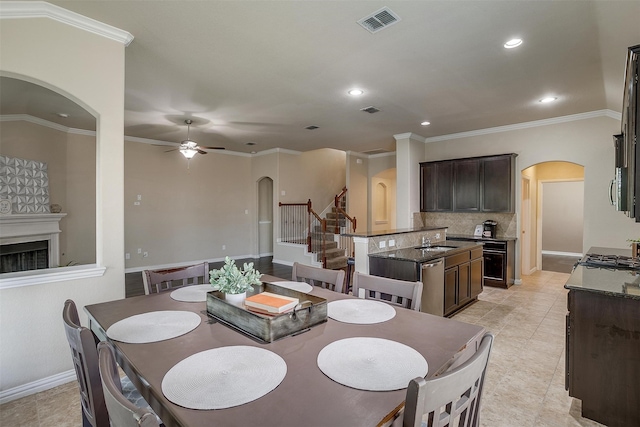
<point>310,311</point>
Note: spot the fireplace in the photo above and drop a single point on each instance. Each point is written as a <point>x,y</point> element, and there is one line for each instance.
<point>29,241</point>
<point>24,256</point>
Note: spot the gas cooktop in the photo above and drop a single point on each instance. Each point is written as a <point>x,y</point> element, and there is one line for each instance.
<point>614,262</point>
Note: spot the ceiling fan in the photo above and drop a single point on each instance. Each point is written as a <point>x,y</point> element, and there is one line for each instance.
<point>190,148</point>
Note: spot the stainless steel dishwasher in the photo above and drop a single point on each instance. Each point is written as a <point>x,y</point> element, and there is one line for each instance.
<point>432,278</point>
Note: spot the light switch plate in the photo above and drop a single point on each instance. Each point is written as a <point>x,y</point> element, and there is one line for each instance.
<point>392,242</point>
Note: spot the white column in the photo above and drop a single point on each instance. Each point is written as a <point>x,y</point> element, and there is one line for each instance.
<point>409,154</point>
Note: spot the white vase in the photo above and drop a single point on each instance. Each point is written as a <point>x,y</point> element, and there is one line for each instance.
<point>236,299</point>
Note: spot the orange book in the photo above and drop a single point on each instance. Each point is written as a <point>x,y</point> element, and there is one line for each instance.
<point>270,302</point>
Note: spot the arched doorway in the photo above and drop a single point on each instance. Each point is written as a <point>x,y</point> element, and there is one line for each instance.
<point>383,203</point>
<point>552,210</point>
<point>265,217</point>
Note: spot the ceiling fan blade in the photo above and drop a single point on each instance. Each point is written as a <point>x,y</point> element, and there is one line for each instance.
<point>173,149</point>
<point>214,148</point>
<point>200,151</point>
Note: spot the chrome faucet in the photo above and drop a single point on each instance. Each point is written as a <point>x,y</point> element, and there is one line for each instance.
<point>426,242</point>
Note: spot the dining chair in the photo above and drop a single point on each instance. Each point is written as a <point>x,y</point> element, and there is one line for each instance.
<point>85,362</point>
<point>315,276</point>
<point>156,281</point>
<point>122,413</point>
<point>451,399</point>
<point>400,293</point>
<point>84,354</point>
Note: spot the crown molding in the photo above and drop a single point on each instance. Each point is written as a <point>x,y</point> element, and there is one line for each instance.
<point>409,135</point>
<point>527,125</point>
<point>41,9</point>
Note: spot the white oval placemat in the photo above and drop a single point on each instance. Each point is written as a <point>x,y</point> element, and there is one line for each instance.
<point>360,311</point>
<point>154,326</point>
<point>373,364</point>
<point>296,286</point>
<point>195,293</point>
<point>223,377</point>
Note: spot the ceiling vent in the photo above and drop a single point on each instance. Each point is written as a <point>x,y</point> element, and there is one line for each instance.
<point>312,127</point>
<point>370,109</point>
<point>379,20</point>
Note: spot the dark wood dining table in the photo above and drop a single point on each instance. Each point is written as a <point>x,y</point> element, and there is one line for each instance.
<point>306,396</point>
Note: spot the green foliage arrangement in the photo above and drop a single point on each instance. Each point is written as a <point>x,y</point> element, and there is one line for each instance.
<point>231,280</point>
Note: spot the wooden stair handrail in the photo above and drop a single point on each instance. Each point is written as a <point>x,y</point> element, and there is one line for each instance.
<point>336,202</point>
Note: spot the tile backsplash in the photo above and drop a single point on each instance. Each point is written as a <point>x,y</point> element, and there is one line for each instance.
<point>465,223</point>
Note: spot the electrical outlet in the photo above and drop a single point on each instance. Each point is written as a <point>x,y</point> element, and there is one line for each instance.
<point>224,247</point>
<point>383,244</point>
<point>139,250</point>
<point>136,203</point>
<point>392,242</point>
<point>127,256</point>
<point>437,235</point>
<point>246,211</point>
<point>139,196</point>
<point>146,254</point>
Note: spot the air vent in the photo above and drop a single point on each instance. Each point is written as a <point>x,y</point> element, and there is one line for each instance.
<point>370,109</point>
<point>312,127</point>
<point>378,20</point>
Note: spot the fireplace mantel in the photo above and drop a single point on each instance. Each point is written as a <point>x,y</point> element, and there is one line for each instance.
<point>23,228</point>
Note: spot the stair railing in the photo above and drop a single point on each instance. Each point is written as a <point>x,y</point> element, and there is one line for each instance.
<point>350,224</point>
<point>298,221</point>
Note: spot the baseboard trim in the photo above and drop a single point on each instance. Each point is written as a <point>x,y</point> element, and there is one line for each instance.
<point>37,386</point>
<point>517,282</point>
<point>574,254</point>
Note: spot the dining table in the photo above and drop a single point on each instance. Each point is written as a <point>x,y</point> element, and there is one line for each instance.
<point>306,396</point>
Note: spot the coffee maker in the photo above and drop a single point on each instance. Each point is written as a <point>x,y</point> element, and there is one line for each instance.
<point>489,228</point>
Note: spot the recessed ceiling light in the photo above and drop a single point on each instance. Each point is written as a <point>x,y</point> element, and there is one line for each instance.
<point>425,123</point>
<point>513,43</point>
<point>63,115</point>
<point>548,99</point>
<point>355,92</point>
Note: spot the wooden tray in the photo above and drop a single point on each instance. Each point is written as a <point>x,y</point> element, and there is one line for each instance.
<point>309,312</point>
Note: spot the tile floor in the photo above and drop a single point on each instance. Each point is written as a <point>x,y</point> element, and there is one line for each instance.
<point>525,380</point>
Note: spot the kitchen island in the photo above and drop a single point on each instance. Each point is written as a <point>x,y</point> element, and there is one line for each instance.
<point>451,272</point>
<point>603,339</point>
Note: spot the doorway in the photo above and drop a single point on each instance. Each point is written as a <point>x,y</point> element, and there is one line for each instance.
<point>552,209</point>
<point>265,217</point>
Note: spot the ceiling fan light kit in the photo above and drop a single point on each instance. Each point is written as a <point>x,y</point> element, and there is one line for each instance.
<point>189,148</point>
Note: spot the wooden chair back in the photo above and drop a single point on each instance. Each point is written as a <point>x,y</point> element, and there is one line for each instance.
<point>451,399</point>
<point>315,276</point>
<point>395,292</point>
<point>121,412</point>
<point>156,281</point>
<point>85,361</point>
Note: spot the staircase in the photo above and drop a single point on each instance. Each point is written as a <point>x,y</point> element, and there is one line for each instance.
<point>335,256</point>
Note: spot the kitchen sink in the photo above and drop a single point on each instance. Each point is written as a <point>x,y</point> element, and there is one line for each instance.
<point>435,248</point>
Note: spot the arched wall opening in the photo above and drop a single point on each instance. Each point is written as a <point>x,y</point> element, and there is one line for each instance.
<point>552,214</point>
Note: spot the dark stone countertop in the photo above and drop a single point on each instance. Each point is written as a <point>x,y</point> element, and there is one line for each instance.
<point>370,233</point>
<point>420,255</point>
<point>611,282</point>
<point>480,238</point>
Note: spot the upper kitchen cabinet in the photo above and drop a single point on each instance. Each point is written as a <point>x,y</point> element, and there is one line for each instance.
<point>436,186</point>
<point>466,185</point>
<point>497,183</point>
<point>476,184</point>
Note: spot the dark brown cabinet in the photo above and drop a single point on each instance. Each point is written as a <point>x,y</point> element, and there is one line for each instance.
<point>436,191</point>
<point>462,279</point>
<point>497,184</point>
<point>466,186</point>
<point>476,184</point>
<point>603,356</point>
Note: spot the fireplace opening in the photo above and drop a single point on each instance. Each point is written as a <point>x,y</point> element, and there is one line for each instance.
<point>24,256</point>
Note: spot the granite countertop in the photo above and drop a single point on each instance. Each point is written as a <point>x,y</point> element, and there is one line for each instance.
<point>606,281</point>
<point>488,239</point>
<point>420,255</point>
<point>370,233</point>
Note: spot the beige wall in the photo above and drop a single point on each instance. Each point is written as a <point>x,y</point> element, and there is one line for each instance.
<point>562,216</point>
<point>585,142</point>
<point>88,69</point>
<point>188,210</point>
<point>71,165</point>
